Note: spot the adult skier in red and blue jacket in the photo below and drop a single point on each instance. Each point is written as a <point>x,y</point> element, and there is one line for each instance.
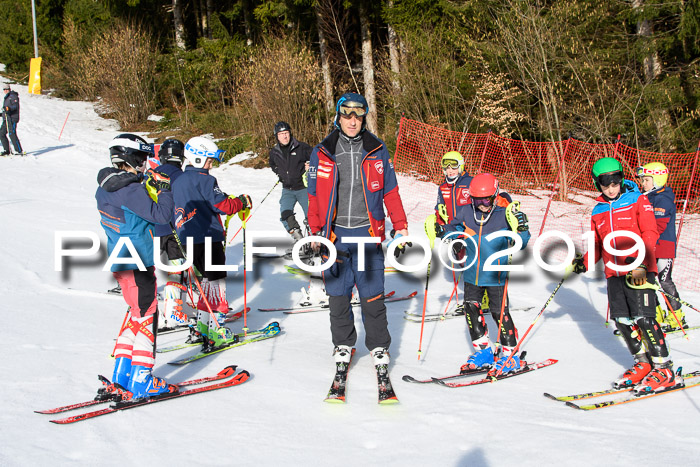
<point>128,212</point>
<point>351,179</point>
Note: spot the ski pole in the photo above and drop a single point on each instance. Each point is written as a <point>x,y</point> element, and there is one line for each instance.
<point>250,214</point>
<point>454,290</point>
<point>512,208</point>
<point>425,301</point>
<point>243,215</point>
<point>522,339</point>
<point>202,296</point>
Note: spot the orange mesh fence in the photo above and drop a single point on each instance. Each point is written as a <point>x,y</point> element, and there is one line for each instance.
<point>552,180</point>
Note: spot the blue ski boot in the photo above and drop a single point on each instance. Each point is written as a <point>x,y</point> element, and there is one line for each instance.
<point>482,358</point>
<point>143,384</point>
<point>513,364</point>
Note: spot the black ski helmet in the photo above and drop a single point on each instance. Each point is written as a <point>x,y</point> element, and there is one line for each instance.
<point>172,150</point>
<point>130,149</point>
<point>282,126</point>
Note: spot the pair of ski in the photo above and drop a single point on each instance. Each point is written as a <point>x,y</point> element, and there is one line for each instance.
<point>268,332</point>
<point>628,394</point>
<point>418,317</point>
<point>226,378</point>
<point>447,380</point>
<point>338,390</point>
<point>388,298</point>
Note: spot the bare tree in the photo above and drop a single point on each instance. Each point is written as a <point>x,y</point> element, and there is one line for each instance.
<point>368,70</point>
<point>394,56</point>
<point>178,25</point>
<point>325,63</point>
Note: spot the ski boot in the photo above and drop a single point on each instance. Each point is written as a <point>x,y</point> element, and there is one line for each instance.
<point>218,337</point>
<point>482,358</point>
<point>342,354</point>
<point>671,323</point>
<point>143,384</point>
<point>507,363</point>
<point>633,376</point>
<point>120,380</point>
<point>659,379</point>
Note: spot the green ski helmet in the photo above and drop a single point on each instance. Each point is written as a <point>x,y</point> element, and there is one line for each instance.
<point>606,171</point>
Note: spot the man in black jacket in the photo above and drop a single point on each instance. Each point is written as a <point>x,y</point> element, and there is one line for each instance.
<point>289,159</point>
<point>10,118</point>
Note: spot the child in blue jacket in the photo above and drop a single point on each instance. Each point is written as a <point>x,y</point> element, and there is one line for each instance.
<point>475,222</point>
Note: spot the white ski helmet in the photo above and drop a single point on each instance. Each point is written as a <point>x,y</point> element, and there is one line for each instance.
<point>199,149</point>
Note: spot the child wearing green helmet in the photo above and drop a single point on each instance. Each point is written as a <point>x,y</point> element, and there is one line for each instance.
<point>623,208</point>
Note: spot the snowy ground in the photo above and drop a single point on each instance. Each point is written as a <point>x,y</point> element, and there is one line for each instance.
<point>59,330</point>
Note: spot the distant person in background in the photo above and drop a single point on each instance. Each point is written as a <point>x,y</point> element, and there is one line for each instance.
<point>10,118</point>
<point>289,159</point>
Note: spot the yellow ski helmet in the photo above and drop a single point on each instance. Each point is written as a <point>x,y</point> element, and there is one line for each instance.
<point>656,170</point>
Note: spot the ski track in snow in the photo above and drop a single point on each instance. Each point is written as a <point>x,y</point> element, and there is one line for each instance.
<point>59,331</point>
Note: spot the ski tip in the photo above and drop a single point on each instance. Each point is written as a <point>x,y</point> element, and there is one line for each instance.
<point>413,294</point>
<point>335,400</point>
<point>573,406</point>
<point>389,401</point>
<point>408,378</point>
<point>439,381</point>
<point>228,371</point>
<point>549,396</point>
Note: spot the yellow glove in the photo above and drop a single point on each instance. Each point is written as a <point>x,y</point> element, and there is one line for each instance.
<point>442,212</point>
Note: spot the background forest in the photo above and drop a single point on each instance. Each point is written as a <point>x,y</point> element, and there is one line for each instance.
<point>531,70</point>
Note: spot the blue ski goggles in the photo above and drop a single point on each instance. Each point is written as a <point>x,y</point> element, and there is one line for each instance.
<point>217,155</point>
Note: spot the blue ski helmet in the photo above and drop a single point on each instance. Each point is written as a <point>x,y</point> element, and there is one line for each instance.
<point>350,103</point>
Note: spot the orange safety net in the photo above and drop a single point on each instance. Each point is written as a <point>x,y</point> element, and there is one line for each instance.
<point>552,180</point>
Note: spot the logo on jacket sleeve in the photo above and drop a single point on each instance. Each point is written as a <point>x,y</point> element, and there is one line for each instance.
<point>379,167</point>
<point>324,169</point>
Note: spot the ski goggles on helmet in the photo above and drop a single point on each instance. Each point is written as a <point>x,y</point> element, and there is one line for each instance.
<point>450,164</point>
<point>349,108</point>
<point>644,172</point>
<point>614,178</point>
<point>216,155</point>
<point>487,201</point>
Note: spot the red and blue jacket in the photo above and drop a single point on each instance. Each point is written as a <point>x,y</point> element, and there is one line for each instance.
<point>128,211</point>
<point>664,203</point>
<point>199,202</point>
<point>379,186</point>
<point>630,212</point>
<point>454,196</point>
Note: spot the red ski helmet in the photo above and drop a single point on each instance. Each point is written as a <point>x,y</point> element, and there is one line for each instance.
<point>483,186</point>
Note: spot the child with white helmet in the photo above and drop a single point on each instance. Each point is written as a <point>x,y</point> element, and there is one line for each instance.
<point>199,203</point>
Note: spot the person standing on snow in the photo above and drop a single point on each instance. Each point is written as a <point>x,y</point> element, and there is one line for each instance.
<point>171,156</point>
<point>486,214</point>
<point>653,178</point>
<point>128,212</point>
<point>199,203</point>
<point>10,118</point>
<point>621,207</point>
<point>289,160</point>
<point>351,179</point>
